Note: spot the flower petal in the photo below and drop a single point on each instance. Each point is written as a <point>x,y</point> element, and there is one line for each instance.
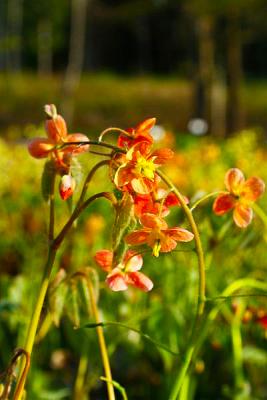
<point>233,179</point>
<point>40,147</point>
<point>137,237</point>
<point>152,221</point>
<point>162,156</point>
<point>167,244</point>
<point>172,200</point>
<point>56,129</point>
<point>142,185</point>
<point>104,258</point>
<point>223,204</point>
<point>252,189</point>
<point>242,215</point>
<point>179,234</point>
<point>139,280</point>
<point>133,262</point>
<point>145,125</point>
<point>123,175</point>
<point>116,280</point>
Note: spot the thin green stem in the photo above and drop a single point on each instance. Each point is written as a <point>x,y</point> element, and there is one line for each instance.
<point>102,343</point>
<point>91,142</point>
<point>261,214</point>
<point>79,390</point>
<point>204,198</point>
<point>237,348</point>
<point>113,129</point>
<point>201,289</point>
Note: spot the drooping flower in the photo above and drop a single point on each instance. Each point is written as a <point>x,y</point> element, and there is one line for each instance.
<point>156,202</point>
<point>241,194</point>
<point>138,169</point>
<point>125,273</point>
<point>57,135</point>
<point>66,186</point>
<point>157,235</point>
<point>141,133</point>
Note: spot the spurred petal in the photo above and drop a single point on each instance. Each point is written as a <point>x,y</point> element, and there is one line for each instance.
<point>139,280</point>
<point>76,149</point>
<point>152,221</point>
<point>223,203</point>
<point>145,125</point>
<point>162,156</point>
<point>179,234</point>
<point>252,189</point>
<point>242,215</point>
<point>116,280</point>
<point>137,237</point>
<point>56,129</point>
<point>40,147</point>
<point>133,262</point>
<point>104,258</point>
<point>233,179</point>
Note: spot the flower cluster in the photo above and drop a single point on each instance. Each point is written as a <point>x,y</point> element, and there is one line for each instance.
<point>240,196</point>
<point>56,147</point>
<point>134,173</point>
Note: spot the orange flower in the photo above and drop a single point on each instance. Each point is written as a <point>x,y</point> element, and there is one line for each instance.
<point>157,235</point>
<point>56,130</point>
<point>156,202</point>
<point>241,194</point>
<point>138,169</point>
<point>125,273</point>
<point>138,134</point>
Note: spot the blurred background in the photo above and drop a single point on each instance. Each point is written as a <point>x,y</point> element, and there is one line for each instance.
<point>200,68</point>
<point>106,62</point>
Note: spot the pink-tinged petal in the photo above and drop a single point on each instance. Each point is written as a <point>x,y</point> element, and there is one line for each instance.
<point>252,189</point>
<point>233,180</point>
<point>123,175</point>
<point>104,259</point>
<point>137,237</point>
<point>40,147</point>
<point>139,280</point>
<point>133,262</point>
<point>152,221</point>
<point>242,215</point>
<point>145,125</point>
<point>167,244</point>
<point>66,186</point>
<point>179,234</point>
<point>76,149</point>
<point>116,280</point>
<point>142,185</point>
<point>161,156</point>
<point>56,129</point>
<point>223,204</point>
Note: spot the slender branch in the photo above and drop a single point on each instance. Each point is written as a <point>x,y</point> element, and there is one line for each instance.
<point>102,343</point>
<point>92,142</point>
<point>52,210</point>
<point>201,290</point>
<point>113,129</point>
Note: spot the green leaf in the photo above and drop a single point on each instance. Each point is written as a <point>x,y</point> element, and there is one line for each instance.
<point>117,386</point>
<point>48,176</point>
<point>57,296</point>
<point>255,356</point>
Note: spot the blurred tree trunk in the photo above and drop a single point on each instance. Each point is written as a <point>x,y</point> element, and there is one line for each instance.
<point>14,35</point>
<point>234,75</point>
<point>76,56</point>
<point>44,47</point>
<point>206,67</point>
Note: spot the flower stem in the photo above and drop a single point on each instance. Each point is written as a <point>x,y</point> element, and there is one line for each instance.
<point>261,214</point>
<point>102,343</point>
<point>201,290</point>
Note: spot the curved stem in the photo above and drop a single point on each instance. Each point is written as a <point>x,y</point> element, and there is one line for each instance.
<point>204,198</point>
<point>92,142</point>
<point>102,343</point>
<point>237,348</point>
<point>201,290</point>
<point>113,129</point>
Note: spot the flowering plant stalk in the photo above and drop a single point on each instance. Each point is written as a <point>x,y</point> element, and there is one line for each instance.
<point>142,198</point>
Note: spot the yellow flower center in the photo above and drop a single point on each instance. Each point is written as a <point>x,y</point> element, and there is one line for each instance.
<point>156,248</point>
<point>145,167</point>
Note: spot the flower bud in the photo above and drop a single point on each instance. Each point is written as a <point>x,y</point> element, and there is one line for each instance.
<point>66,186</point>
